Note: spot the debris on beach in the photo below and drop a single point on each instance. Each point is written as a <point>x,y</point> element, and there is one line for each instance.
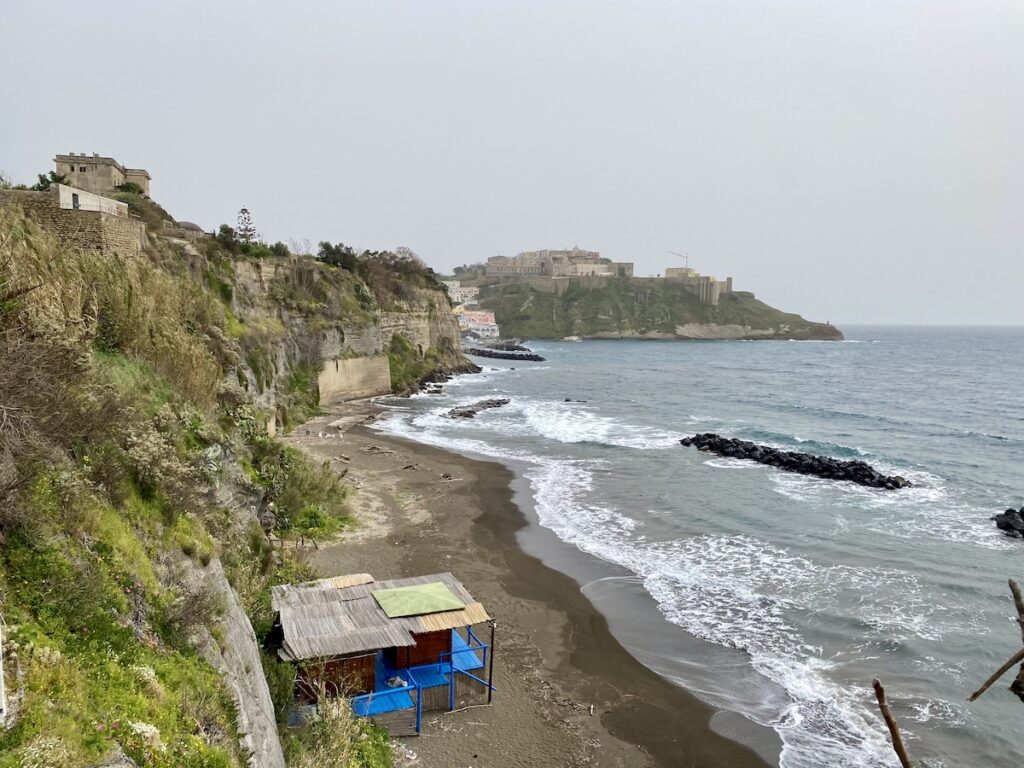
<point>859,472</point>
<point>470,411</point>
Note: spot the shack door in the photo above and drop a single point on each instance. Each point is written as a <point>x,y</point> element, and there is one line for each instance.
<point>428,649</point>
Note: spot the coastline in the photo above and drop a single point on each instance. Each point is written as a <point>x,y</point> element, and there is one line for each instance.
<point>555,653</point>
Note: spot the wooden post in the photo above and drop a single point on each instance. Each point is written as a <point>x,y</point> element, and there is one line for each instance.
<point>490,669</point>
<point>894,729</point>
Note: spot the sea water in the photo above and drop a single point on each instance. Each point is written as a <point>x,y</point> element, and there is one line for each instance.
<point>815,586</point>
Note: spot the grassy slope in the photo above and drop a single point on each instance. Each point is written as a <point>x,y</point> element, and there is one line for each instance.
<point>109,509</point>
<point>642,306</point>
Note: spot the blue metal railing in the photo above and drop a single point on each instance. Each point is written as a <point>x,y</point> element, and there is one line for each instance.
<point>445,666</point>
<point>368,698</point>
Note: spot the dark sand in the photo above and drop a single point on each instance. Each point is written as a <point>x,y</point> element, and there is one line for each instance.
<point>554,653</point>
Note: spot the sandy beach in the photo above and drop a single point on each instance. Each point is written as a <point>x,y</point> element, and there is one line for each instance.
<point>568,694</point>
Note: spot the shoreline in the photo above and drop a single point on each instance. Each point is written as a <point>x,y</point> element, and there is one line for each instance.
<point>426,510</point>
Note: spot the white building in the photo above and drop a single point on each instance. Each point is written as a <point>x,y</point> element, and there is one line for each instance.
<point>461,294</point>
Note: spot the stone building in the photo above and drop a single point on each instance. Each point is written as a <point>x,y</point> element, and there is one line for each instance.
<point>98,174</point>
<point>705,287</point>
<point>81,219</point>
<point>567,262</point>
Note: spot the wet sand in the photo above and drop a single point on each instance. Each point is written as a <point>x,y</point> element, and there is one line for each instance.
<point>423,510</point>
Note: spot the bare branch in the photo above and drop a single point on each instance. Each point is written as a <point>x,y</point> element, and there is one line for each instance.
<point>1017,658</point>
<point>1018,600</point>
<point>894,730</point>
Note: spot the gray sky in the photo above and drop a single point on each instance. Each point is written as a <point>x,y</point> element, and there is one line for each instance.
<point>856,161</point>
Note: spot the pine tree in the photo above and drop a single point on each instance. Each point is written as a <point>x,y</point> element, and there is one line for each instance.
<point>246,230</point>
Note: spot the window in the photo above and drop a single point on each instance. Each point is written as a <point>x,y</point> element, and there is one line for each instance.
<point>71,168</point>
<point>82,168</point>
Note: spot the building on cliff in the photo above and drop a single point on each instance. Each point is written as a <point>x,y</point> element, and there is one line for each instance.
<point>459,293</point>
<point>395,648</point>
<point>481,322</point>
<point>705,287</point>
<point>101,175</point>
<point>568,262</point>
<point>82,219</point>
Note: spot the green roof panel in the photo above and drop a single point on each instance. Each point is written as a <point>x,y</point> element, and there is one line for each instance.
<point>417,600</point>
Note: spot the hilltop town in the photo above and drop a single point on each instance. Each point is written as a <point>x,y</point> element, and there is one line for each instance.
<point>573,292</point>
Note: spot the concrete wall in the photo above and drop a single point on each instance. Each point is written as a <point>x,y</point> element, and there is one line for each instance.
<point>238,662</point>
<point>88,230</point>
<point>89,201</point>
<point>353,378</point>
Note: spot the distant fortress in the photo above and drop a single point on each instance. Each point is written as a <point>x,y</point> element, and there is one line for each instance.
<point>548,268</point>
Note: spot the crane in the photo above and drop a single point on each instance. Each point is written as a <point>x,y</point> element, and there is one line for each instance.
<point>684,256</point>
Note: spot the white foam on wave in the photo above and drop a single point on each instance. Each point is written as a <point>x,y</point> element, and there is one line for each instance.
<point>927,505</point>
<point>734,591</point>
<point>557,421</point>
<point>574,423</point>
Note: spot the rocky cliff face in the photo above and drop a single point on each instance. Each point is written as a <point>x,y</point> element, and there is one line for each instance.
<point>304,324</point>
<point>137,486</point>
<point>641,309</point>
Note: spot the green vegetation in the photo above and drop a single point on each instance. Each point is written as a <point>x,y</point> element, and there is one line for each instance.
<point>48,179</point>
<point>131,187</point>
<point>121,414</point>
<point>408,364</point>
<point>632,307</point>
<point>340,739</point>
<point>146,209</point>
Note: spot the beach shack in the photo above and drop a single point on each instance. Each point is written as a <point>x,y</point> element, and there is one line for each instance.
<point>396,648</point>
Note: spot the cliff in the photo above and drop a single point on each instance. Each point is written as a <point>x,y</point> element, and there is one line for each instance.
<point>140,478</point>
<point>638,308</point>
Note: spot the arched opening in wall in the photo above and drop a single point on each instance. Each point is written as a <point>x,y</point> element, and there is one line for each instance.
<point>420,348</point>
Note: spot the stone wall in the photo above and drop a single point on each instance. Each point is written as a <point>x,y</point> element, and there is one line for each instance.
<point>88,230</point>
<point>354,377</point>
<point>237,659</point>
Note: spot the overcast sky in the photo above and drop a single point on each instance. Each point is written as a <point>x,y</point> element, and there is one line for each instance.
<point>856,161</point>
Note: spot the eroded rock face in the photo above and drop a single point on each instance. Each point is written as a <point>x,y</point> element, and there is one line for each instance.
<point>1011,522</point>
<point>470,411</point>
<point>859,472</point>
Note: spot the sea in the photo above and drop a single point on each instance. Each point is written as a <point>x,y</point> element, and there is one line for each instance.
<point>778,598</point>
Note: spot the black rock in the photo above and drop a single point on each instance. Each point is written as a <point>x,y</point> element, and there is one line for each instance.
<point>492,353</point>
<point>470,411</point>
<point>803,463</point>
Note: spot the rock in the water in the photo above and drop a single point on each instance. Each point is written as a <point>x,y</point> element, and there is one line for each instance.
<point>803,463</point>
<point>505,355</point>
<point>470,411</point>
<point>1011,522</point>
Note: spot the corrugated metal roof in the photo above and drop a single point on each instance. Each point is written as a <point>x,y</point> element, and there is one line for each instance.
<point>338,615</point>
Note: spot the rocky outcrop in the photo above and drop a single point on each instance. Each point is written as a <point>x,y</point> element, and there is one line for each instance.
<point>858,472</point>
<point>470,411</point>
<point>640,308</point>
<point>1011,522</point>
<point>529,357</point>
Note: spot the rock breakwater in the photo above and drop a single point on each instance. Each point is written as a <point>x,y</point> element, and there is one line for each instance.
<point>858,472</point>
<point>505,355</point>
<point>470,411</point>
